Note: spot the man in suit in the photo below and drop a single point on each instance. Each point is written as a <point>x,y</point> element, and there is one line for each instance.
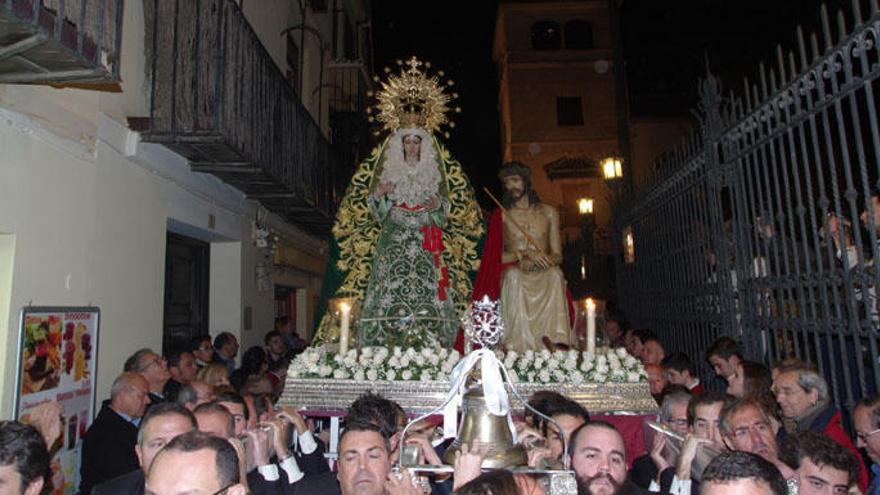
<point>108,445</point>
<point>161,424</point>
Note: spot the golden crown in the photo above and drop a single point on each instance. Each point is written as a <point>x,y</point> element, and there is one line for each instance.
<point>412,98</point>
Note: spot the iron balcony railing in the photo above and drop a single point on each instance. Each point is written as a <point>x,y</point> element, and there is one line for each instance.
<point>219,100</point>
<point>61,42</point>
<point>765,224</point>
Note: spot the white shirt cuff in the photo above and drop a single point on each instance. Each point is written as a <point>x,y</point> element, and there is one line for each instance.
<point>654,487</point>
<point>290,467</point>
<point>269,472</point>
<point>307,443</point>
<point>680,487</point>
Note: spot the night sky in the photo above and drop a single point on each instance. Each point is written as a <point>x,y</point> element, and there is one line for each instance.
<point>665,44</point>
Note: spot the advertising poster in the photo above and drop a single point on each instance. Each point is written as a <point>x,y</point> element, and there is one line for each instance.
<point>56,364</point>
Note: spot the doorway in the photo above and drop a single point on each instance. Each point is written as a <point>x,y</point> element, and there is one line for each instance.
<point>186,291</point>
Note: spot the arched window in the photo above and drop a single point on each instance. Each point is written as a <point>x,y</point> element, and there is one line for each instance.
<point>546,35</point>
<point>578,34</point>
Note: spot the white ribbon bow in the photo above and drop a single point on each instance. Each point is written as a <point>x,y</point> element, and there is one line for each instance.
<point>493,389</point>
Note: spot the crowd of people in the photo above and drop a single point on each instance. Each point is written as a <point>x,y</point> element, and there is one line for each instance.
<point>193,422</point>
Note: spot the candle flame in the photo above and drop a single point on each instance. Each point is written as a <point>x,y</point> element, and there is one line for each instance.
<point>344,307</point>
<point>589,304</point>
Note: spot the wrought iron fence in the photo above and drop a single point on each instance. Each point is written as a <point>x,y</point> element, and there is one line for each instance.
<point>764,224</point>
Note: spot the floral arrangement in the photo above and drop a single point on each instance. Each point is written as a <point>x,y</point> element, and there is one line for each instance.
<point>435,363</point>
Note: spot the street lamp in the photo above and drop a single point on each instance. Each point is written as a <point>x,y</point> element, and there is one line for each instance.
<point>612,169</point>
<point>585,206</point>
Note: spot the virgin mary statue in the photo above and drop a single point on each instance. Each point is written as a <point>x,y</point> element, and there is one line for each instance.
<point>408,227</point>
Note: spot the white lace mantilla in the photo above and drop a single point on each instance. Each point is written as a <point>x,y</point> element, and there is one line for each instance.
<point>413,184</point>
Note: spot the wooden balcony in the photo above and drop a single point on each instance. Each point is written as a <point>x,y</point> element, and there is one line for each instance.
<point>220,101</point>
<point>61,42</point>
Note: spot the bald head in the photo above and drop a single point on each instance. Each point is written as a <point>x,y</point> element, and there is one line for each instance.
<point>129,394</point>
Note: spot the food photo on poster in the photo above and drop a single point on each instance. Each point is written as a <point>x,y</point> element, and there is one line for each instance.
<point>56,376</point>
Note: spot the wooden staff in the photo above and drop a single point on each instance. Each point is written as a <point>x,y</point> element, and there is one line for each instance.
<point>529,238</point>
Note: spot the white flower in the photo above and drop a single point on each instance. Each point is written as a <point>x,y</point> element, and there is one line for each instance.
<point>357,375</point>
<point>539,363</point>
<point>598,378</point>
<point>340,374</point>
<point>559,355</point>
<point>559,375</point>
<point>390,375</point>
<point>349,361</point>
<point>404,362</point>
<point>379,360</point>
<point>434,359</point>
<point>397,351</point>
<point>601,368</point>
<point>601,360</point>
<point>576,377</point>
<point>443,353</point>
<point>372,374</point>
<point>632,377</point>
<point>530,377</point>
<point>570,364</point>
<point>553,364</point>
<point>621,352</point>
<point>426,376</point>
<point>572,355</point>
<point>442,376</point>
<point>367,351</point>
<point>614,365</point>
<point>325,371</point>
<point>406,375</point>
<point>365,360</point>
<point>394,362</point>
<point>514,378</point>
<point>530,354</point>
<point>544,376</point>
<point>630,362</point>
<point>512,355</point>
<point>545,354</point>
<point>411,352</point>
<point>338,359</point>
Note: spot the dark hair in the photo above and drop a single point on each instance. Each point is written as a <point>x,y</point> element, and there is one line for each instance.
<point>737,465</point>
<point>596,423</point>
<point>643,334</point>
<point>269,335</point>
<point>222,339</point>
<point>235,399</point>
<point>707,398</point>
<point>539,401</point>
<point>725,348</point>
<point>263,403</point>
<point>680,362</point>
<point>196,342</point>
<point>22,446</point>
<point>252,361</point>
<point>555,406</point>
<point>757,385</point>
<point>172,357</point>
<point>352,426</point>
<point>820,449</point>
<point>215,408</point>
<point>165,409</point>
<point>872,404</point>
<point>494,482</point>
<point>376,410</point>
<point>525,173</point>
<point>133,363</point>
<point>226,459</point>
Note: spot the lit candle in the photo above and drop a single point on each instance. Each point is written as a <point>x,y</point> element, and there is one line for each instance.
<point>591,325</point>
<point>345,320</point>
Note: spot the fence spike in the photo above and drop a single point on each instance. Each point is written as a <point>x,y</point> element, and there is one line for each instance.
<point>857,12</point>
<point>826,26</point>
<point>814,46</point>
<point>762,72</point>
<point>780,61</point>
<point>841,25</point>
<point>802,48</point>
<point>792,64</point>
<point>747,94</point>
<point>773,86</point>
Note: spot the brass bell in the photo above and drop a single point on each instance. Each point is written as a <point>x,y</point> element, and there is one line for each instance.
<point>477,423</point>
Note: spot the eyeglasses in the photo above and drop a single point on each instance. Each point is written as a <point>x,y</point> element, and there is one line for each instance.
<point>155,361</point>
<point>682,423</point>
<point>864,436</point>
<point>222,491</point>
